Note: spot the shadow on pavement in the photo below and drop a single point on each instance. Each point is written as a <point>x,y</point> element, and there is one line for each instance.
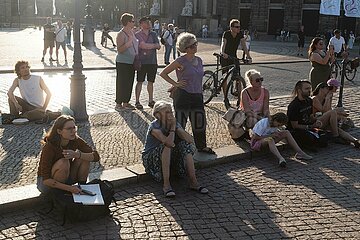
<point>98,52</point>
<point>334,177</point>
<point>229,211</point>
<point>37,224</point>
<point>137,124</point>
<point>21,145</point>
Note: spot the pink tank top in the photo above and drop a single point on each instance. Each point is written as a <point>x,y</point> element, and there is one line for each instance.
<point>255,105</point>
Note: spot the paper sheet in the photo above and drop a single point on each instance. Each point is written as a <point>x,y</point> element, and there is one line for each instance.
<point>90,200</point>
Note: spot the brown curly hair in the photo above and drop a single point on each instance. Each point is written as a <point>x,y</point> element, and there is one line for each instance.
<point>18,65</point>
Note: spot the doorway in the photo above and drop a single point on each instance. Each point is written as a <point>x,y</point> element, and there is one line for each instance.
<point>276,21</point>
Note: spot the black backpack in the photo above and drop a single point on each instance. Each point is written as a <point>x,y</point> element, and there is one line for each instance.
<point>77,212</point>
<point>162,39</point>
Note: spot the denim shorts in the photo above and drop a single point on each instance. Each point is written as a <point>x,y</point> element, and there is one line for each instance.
<point>45,189</point>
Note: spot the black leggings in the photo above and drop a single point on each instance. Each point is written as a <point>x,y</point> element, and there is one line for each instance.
<point>124,82</point>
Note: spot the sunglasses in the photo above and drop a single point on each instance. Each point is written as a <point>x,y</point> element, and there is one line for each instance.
<point>259,79</point>
<point>236,26</point>
<point>194,45</point>
<point>71,128</point>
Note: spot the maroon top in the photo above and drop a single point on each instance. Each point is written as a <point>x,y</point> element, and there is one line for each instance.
<point>51,153</point>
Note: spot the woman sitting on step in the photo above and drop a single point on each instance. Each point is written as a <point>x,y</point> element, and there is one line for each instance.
<point>169,148</point>
<point>65,157</point>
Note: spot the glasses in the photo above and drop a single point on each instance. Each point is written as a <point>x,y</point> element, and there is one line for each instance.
<point>194,45</point>
<point>259,79</point>
<point>236,26</point>
<point>132,21</point>
<point>74,128</point>
<point>321,43</point>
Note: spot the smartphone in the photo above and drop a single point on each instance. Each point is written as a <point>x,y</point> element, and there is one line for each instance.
<point>86,192</point>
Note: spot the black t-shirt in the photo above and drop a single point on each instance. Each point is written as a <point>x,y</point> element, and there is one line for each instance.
<point>49,32</point>
<point>232,43</point>
<point>300,111</point>
<point>301,36</point>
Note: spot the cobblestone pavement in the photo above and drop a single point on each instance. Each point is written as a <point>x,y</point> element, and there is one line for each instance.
<point>248,199</point>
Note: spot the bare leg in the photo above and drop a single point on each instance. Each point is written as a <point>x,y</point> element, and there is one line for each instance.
<point>64,48</point>
<point>79,170</point>
<point>330,119</point>
<point>61,170</point>
<point>150,89</point>
<point>346,136</point>
<point>190,168</point>
<point>51,52</point>
<point>165,165</point>
<point>271,143</point>
<point>138,88</point>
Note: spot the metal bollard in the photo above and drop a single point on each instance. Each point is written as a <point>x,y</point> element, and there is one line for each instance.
<point>340,103</point>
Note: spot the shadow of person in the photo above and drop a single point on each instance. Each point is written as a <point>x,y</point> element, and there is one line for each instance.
<point>20,148</point>
<point>37,223</point>
<point>231,210</point>
<point>136,123</point>
<point>333,178</point>
<point>98,52</point>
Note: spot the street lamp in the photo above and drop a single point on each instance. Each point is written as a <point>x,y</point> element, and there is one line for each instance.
<point>115,15</point>
<point>101,10</point>
<point>88,32</point>
<point>77,85</point>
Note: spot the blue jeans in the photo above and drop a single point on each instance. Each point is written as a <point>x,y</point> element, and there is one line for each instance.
<point>167,53</point>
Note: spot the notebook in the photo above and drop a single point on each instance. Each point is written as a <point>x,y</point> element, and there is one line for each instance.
<point>90,200</point>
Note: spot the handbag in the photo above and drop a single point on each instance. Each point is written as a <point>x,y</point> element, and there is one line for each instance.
<point>236,119</point>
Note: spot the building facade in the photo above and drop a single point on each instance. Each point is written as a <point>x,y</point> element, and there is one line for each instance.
<point>266,16</point>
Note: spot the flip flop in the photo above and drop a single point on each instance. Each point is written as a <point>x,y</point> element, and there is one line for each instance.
<point>169,193</point>
<point>206,150</point>
<point>200,189</point>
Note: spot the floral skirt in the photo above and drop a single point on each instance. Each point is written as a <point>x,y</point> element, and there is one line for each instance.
<point>152,160</point>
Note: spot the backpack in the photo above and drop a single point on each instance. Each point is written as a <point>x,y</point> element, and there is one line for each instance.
<point>162,39</point>
<point>77,212</point>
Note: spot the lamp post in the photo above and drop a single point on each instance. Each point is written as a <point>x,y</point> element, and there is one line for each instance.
<point>77,85</point>
<point>115,15</point>
<point>101,10</point>
<point>88,32</point>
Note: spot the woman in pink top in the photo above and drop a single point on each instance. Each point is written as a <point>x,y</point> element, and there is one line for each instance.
<point>254,99</point>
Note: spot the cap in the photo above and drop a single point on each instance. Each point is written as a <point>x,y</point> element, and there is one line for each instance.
<point>333,82</point>
<point>143,19</point>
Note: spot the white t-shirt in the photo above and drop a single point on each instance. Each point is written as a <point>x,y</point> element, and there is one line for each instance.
<point>31,90</point>
<point>60,34</point>
<point>262,128</point>
<point>337,43</point>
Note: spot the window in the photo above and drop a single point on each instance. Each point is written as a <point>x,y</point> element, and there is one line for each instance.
<point>312,1</point>
<point>276,1</point>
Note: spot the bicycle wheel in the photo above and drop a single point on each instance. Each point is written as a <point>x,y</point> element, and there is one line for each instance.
<point>233,92</point>
<point>334,70</point>
<point>349,72</point>
<point>208,87</point>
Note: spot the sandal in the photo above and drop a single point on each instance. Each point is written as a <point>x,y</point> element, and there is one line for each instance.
<point>139,106</point>
<point>151,104</point>
<point>169,193</point>
<point>206,150</point>
<point>200,189</point>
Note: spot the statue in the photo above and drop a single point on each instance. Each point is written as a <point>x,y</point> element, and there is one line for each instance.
<point>187,10</point>
<point>155,9</point>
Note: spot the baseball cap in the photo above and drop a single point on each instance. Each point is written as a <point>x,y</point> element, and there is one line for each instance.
<point>143,19</point>
<point>333,82</point>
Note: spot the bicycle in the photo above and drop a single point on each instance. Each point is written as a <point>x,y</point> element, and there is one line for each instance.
<point>211,84</point>
<point>350,68</point>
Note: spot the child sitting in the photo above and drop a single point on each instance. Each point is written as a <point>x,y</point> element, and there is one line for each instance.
<point>266,132</point>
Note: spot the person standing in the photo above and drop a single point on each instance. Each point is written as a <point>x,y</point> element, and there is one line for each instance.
<point>60,34</point>
<point>68,33</point>
<point>148,44</point>
<point>188,98</point>
<point>231,40</point>
<point>339,44</point>
<point>169,41</point>
<point>351,40</point>
<point>301,41</point>
<point>157,27</point>
<point>248,43</point>
<point>49,38</point>
<point>32,88</point>
<point>105,34</point>
<point>127,48</point>
<point>320,62</point>
<point>175,36</point>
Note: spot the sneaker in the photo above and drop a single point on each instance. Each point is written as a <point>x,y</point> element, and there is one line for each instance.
<point>303,156</point>
<point>139,106</point>
<point>51,59</point>
<point>128,106</point>
<point>151,104</point>
<point>42,60</point>
<point>282,162</point>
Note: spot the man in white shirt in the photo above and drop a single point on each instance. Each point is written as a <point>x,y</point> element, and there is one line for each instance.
<point>60,33</point>
<point>169,41</point>
<point>339,45</point>
<point>31,89</point>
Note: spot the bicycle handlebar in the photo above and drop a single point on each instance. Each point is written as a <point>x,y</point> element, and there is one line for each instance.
<point>229,56</point>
